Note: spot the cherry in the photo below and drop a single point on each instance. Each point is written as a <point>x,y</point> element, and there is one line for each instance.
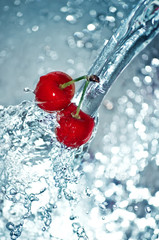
<point>74,126</point>
<point>73,129</point>
<point>54,91</point>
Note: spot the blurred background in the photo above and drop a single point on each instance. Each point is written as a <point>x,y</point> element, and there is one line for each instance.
<point>40,36</point>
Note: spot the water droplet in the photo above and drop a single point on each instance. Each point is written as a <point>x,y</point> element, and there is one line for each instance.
<point>145,57</point>
<point>120,14</point>
<point>80,44</point>
<point>1,107</point>
<point>155,62</point>
<point>35,28</point>
<point>91,27</point>
<point>108,104</point>
<point>110,19</point>
<point>71,19</point>
<point>75,226</point>
<point>3,53</point>
<point>88,192</point>
<point>17,2</point>
<point>64,9</point>
<point>93,13</point>
<point>48,221</point>
<point>148,69</point>
<point>136,207</point>
<point>79,34</point>
<point>112,9</point>
<point>13,191</point>
<point>6,8</point>
<point>72,217</point>
<point>10,226</point>
<point>26,89</point>
<point>148,209</point>
<point>137,81</point>
<point>57,18</point>
<point>19,14</point>
<point>147,79</point>
<point>71,42</point>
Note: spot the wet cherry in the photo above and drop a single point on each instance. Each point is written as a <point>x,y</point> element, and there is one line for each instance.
<point>53,92</point>
<point>72,130</point>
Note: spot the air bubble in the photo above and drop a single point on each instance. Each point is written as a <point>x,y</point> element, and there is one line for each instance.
<point>70,61</point>
<point>148,69</point>
<point>57,18</point>
<point>35,28</point>
<point>88,192</point>
<point>88,45</point>
<point>91,27</point>
<point>155,62</point>
<point>79,34</point>
<point>136,208</point>
<point>75,226</point>
<point>112,9</point>
<point>64,9</point>
<point>3,53</point>
<point>108,104</point>
<point>145,57</point>
<point>71,19</point>
<point>17,2</point>
<point>110,19</point>
<point>27,90</point>
<point>10,226</point>
<point>13,191</point>
<point>72,217</point>
<point>1,108</point>
<point>120,14</point>
<point>148,209</point>
<point>6,8</point>
<point>19,14</point>
<point>147,79</point>
<point>93,13</point>
<point>71,42</point>
<point>80,44</point>
<point>137,81</point>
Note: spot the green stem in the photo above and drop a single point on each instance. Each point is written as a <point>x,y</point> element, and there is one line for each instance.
<point>76,115</point>
<point>64,85</point>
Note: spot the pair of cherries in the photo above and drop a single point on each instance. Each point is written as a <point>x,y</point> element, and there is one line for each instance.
<point>54,92</point>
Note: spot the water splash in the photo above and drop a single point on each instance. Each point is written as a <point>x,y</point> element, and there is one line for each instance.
<point>35,168</point>
<point>49,193</point>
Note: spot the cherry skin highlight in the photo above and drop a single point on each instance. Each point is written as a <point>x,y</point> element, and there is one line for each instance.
<point>49,94</point>
<point>73,132</point>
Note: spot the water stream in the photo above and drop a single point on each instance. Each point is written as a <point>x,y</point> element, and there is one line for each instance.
<point>135,33</point>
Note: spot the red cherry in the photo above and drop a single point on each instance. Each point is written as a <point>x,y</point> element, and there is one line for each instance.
<point>49,94</point>
<point>72,131</point>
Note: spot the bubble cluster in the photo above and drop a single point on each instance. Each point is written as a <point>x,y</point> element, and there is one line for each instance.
<point>33,173</point>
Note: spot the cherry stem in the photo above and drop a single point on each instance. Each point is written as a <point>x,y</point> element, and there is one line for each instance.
<point>92,78</point>
<point>76,115</point>
<point>64,85</point>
